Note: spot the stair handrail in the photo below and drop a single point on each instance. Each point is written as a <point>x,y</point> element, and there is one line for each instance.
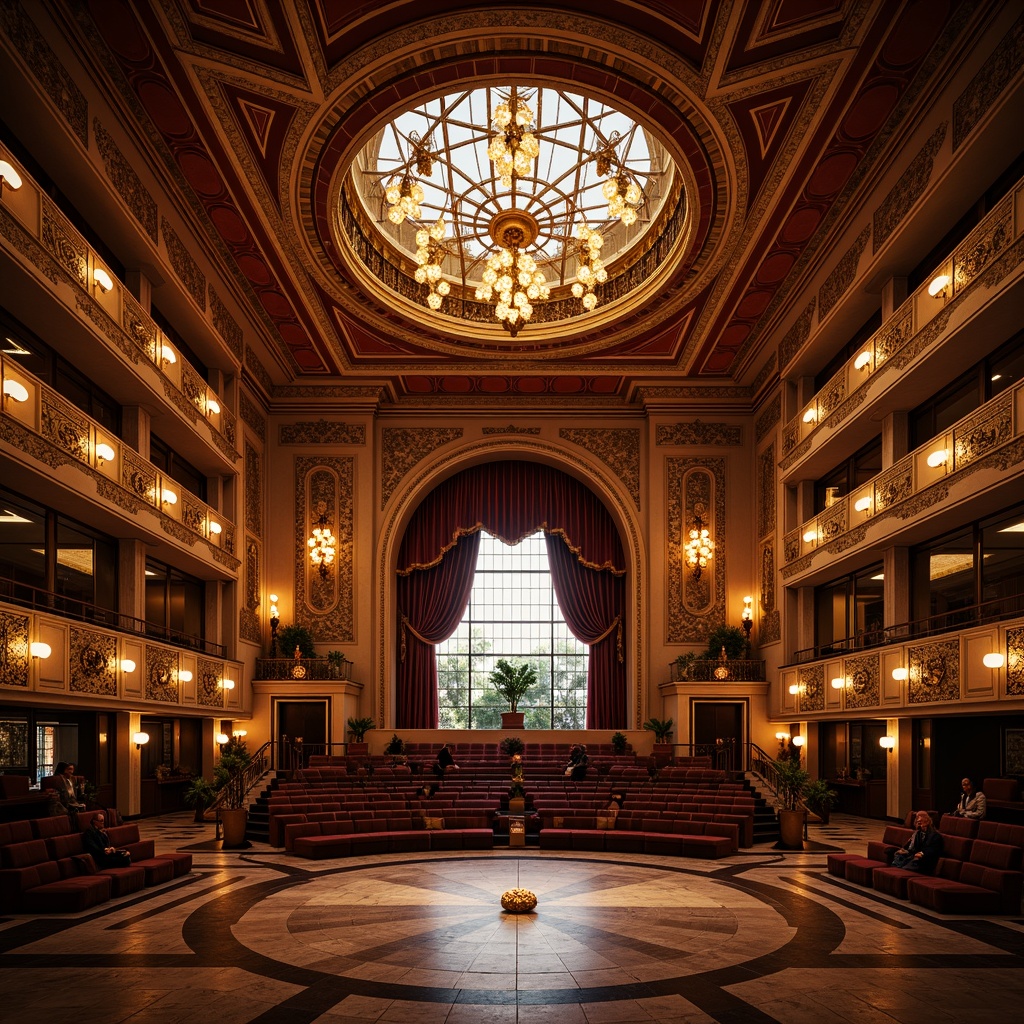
<point>762,764</point>
<point>242,781</point>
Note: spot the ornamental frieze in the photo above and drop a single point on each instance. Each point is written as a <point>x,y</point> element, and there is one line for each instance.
<point>161,676</point>
<point>137,475</point>
<point>126,182</point>
<point>766,499</point>
<point>894,335</point>
<point>863,679</point>
<point>322,432</point>
<point>253,490</point>
<point>791,546</point>
<point>225,324</point>
<point>178,531</point>
<point>13,650</point>
<point>934,673</point>
<point>193,513</point>
<point>719,434</point>
<point>193,387</point>
<point>619,449</point>
<point>139,327</point>
<point>252,415</point>
<point>249,626</point>
<point>252,586</point>
<point>797,335</point>
<point>983,244</point>
<point>988,84</point>
<point>403,447</point>
<point>65,426</point>
<point>258,370</point>
<point>189,274</point>
<point>843,275</point>
<point>832,523</point>
<point>812,688</point>
<point>790,438</point>
<point>67,249</point>
<point>28,247</point>
<point>771,415</point>
<point>1015,662</point>
<point>833,395</point>
<point>209,693</point>
<point>180,402</point>
<point>764,373</point>
<point>769,627</point>
<point>797,453</point>
<point>93,662</point>
<point>895,484</point>
<point>985,430</point>
<point>908,189</point>
<point>511,429</point>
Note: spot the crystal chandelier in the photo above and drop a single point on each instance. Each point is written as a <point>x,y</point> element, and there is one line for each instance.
<point>429,256</point>
<point>514,147</point>
<point>624,197</point>
<point>700,548</point>
<point>512,278</point>
<point>591,270</point>
<point>405,195</point>
<point>321,545</point>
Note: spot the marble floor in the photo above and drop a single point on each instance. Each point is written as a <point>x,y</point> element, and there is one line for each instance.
<point>259,936</point>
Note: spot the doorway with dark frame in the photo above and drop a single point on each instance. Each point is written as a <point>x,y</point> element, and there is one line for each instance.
<point>301,729</point>
<point>720,720</point>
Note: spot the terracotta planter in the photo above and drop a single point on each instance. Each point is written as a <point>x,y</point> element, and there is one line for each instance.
<point>232,821</point>
<point>791,829</point>
<point>512,719</point>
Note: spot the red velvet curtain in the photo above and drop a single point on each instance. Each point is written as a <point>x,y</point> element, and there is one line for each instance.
<point>435,576</point>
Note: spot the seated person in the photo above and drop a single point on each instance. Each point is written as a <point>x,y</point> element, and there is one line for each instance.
<point>97,843</point>
<point>972,802</point>
<point>922,850</point>
<point>64,786</point>
<point>444,762</point>
<point>578,760</point>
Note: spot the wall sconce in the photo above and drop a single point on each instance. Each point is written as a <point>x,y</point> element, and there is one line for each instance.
<point>747,618</point>
<point>104,452</point>
<point>700,548</point>
<point>795,689</point>
<point>39,649</point>
<point>227,684</point>
<point>782,736</point>
<point>215,528</point>
<point>994,660</point>
<point>862,505</point>
<point>901,674</point>
<point>275,621</point>
<point>864,359</point>
<point>9,177</point>
<point>185,676</point>
<point>222,738</point>
<point>168,497</point>
<point>139,738</point>
<point>810,536</point>
<point>127,665</point>
<point>15,390</point>
<point>939,457</point>
<point>102,280</point>
<point>212,406</point>
<point>799,741</point>
<point>838,683</point>
<point>811,416</point>
<point>321,545</point>
<point>887,743</point>
<point>939,286</point>
<point>167,355</point>
<point>239,734</point>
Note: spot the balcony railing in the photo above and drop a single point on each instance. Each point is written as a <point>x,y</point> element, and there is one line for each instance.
<point>733,670</point>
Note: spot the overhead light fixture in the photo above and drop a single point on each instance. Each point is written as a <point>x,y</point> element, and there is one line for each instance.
<point>127,665</point>
<point>430,255</point>
<point>15,390</point>
<point>512,278</point>
<point>321,545</point>
<point>239,734</point>
<point>901,674</point>
<point>864,359</point>
<point>185,676</point>
<point>937,458</point>
<point>104,452</point>
<point>405,194</point>
<point>39,650</point>
<point>887,742</point>
<point>862,504</point>
<point>9,177</point>
<point>227,684</point>
<point>102,279</point>
<point>140,738</point>
<point>622,190</point>
<point>939,286</point>
<point>514,145</point>
<point>591,270</point>
<point>782,736</point>
<point>993,660</point>
<point>879,576</point>
<point>700,548</point>
<point>811,416</point>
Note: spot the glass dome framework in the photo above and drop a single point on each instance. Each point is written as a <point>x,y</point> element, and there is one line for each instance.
<point>435,155</point>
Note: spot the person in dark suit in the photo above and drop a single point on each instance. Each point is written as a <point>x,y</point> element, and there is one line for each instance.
<point>444,761</point>
<point>922,850</point>
<point>64,786</point>
<point>97,844</point>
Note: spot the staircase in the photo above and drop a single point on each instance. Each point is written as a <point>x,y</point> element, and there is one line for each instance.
<point>766,822</point>
<point>257,827</point>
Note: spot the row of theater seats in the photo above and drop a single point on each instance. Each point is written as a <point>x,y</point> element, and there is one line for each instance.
<point>349,834</point>
<point>979,872</point>
<point>44,867</point>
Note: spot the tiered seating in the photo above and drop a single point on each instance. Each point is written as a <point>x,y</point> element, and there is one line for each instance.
<point>979,872</point>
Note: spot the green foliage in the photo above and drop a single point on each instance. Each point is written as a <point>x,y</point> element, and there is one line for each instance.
<point>661,729</point>
<point>818,796</point>
<point>511,745</point>
<point>335,658</point>
<point>792,779</point>
<point>290,637</point>
<point>234,756</point>
<point>732,638</point>
<point>359,727</point>
<point>512,681</point>
<point>619,742</point>
<point>200,793</point>
<point>685,661</point>
<point>516,790</point>
<point>396,745</point>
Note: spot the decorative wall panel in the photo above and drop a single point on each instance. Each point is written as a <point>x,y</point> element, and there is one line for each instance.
<point>686,434</point>
<point>934,672</point>
<point>191,277</point>
<point>66,248</point>
<point>161,680</point>
<point>812,688</point>
<point>252,415</point>
<point>768,418</point>
<point>13,650</point>
<point>208,690</point>
<point>769,626</point>
<point>617,449</point>
<point>322,432</point>
<point>797,335</point>
<point>862,678</point>
<point>843,276</point>
<point>248,619</point>
<point>1015,662</point>
<point>93,662</point>
<point>913,181</point>
<point>253,490</point>
<point>403,447</point>
<point>126,182</point>
<point>225,325</point>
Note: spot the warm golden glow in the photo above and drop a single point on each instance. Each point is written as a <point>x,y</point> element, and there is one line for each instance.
<point>102,279</point>
<point>430,254</point>
<point>39,650</point>
<point>591,270</point>
<point>321,545</point>
<point>9,177</point>
<point>514,146</point>
<point>15,390</point>
<point>700,548</point>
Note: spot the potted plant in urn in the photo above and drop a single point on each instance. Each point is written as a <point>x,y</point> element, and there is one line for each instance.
<point>200,794</point>
<point>619,743</point>
<point>791,779</point>
<point>819,798</point>
<point>357,729</point>
<point>512,682</point>
<point>227,777</point>
<point>662,731</point>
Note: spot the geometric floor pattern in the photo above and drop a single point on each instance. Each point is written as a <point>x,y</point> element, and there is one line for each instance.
<point>259,936</point>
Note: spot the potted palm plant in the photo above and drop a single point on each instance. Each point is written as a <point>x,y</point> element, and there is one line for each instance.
<point>662,731</point>
<point>357,729</point>
<point>820,798</point>
<point>791,778</point>
<point>227,777</point>
<point>512,682</point>
<point>200,794</point>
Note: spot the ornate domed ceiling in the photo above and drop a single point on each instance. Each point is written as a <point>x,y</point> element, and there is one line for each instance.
<point>748,128</point>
